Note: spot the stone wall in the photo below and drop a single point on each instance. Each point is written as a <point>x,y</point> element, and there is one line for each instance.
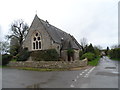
<point>50,64</point>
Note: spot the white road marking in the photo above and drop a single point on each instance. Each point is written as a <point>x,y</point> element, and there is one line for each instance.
<point>83,72</point>
<point>72,85</point>
<point>115,72</point>
<point>86,70</point>
<point>89,72</point>
<point>80,73</point>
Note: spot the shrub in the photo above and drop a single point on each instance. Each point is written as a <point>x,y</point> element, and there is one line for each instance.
<point>114,53</point>
<point>45,55</point>
<point>70,52</point>
<point>23,55</point>
<point>89,56</point>
<point>97,52</point>
<point>80,54</point>
<point>6,58</point>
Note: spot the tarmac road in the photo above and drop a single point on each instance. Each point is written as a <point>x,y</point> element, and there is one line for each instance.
<point>105,75</point>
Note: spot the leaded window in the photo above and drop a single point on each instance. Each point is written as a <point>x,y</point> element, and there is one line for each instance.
<point>36,41</point>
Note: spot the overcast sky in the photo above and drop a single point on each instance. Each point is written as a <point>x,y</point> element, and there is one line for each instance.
<point>96,20</point>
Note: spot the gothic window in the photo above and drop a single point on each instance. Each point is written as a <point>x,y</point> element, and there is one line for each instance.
<point>36,41</point>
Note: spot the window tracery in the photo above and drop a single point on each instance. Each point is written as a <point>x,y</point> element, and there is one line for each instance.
<point>36,41</point>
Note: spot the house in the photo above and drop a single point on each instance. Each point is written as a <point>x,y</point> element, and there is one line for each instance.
<point>42,36</point>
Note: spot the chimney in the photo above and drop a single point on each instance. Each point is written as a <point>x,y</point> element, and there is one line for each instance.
<point>47,22</point>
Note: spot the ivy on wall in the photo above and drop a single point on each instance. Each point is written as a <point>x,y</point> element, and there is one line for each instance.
<point>45,55</point>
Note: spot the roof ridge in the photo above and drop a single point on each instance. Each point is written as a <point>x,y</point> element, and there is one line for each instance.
<point>45,27</point>
<point>57,34</point>
<point>51,25</point>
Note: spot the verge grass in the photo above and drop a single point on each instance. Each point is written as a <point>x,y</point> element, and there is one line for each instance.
<point>94,62</point>
<point>116,59</point>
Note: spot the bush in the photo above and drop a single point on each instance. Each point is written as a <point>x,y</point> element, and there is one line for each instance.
<point>6,58</point>
<point>23,55</point>
<point>70,52</point>
<point>45,55</point>
<point>80,54</point>
<point>14,49</point>
<point>89,56</point>
<point>97,52</point>
<point>114,53</point>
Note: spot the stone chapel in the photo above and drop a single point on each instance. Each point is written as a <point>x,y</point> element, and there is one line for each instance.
<point>42,36</point>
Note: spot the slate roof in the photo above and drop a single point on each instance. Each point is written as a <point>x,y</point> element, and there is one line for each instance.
<point>57,35</point>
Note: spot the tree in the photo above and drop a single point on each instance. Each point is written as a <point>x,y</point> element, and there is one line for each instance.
<point>97,50</point>
<point>119,46</point>
<point>4,47</point>
<point>114,46</point>
<point>106,51</point>
<point>14,46</point>
<point>19,30</point>
<point>83,43</point>
<point>107,48</point>
<point>90,48</point>
<point>98,47</point>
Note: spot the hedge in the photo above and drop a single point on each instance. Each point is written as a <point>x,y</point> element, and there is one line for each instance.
<point>23,55</point>
<point>6,58</point>
<point>45,55</point>
<point>114,53</point>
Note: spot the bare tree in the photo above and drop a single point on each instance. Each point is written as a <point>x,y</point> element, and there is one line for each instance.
<point>19,30</point>
<point>83,43</point>
<point>114,46</point>
<point>98,47</point>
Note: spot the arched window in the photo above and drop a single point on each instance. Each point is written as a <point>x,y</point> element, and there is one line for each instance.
<point>36,41</point>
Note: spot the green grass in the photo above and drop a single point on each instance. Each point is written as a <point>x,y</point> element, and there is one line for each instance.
<point>94,62</point>
<point>39,69</point>
<point>3,66</point>
<point>34,69</point>
<point>116,59</point>
<point>14,60</point>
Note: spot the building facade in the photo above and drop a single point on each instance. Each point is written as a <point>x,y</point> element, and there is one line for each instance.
<point>43,36</point>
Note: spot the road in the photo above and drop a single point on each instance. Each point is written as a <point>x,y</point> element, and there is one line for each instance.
<point>105,75</point>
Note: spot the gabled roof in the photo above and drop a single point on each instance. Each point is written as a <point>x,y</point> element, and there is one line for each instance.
<point>57,35</point>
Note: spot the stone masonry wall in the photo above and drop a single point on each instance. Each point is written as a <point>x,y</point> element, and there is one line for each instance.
<point>50,64</point>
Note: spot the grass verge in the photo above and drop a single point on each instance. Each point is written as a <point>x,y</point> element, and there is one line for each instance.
<point>37,69</point>
<point>3,66</point>
<point>45,69</point>
<point>116,59</point>
<point>94,62</point>
<point>40,69</point>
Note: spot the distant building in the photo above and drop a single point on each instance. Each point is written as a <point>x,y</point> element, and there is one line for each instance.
<point>43,36</point>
